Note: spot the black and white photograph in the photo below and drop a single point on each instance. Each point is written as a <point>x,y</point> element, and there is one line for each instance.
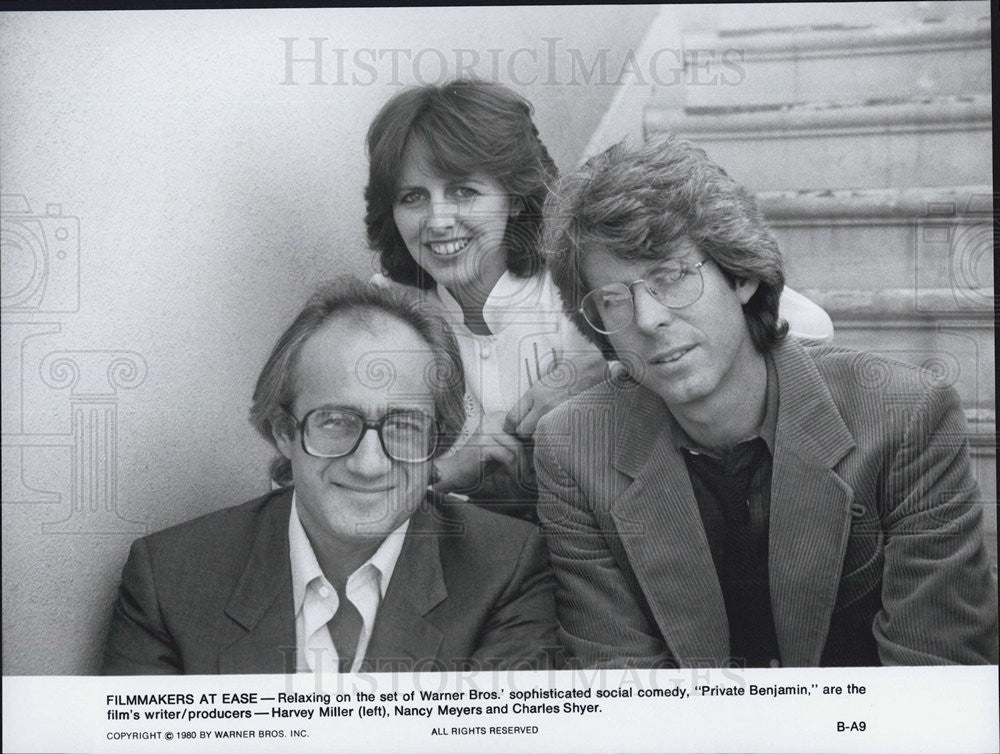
<point>517,378</point>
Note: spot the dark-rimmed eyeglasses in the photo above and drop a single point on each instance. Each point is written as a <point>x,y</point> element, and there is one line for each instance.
<point>674,284</point>
<point>409,436</point>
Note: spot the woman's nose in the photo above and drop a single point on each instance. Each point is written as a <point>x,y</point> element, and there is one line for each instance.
<point>442,215</point>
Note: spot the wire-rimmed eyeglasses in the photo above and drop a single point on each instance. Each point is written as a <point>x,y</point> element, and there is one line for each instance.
<point>674,284</point>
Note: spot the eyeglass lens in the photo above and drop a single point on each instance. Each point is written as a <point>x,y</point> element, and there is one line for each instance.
<point>611,308</point>
<point>405,436</point>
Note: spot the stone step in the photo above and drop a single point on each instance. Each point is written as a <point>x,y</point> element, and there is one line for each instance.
<point>867,144</point>
<point>960,352</point>
<point>797,65</point>
<point>919,307</point>
<point>769,17</point>
<point>937,241</point>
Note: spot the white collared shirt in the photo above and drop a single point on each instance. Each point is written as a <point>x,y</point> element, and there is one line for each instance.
<point>316,600</point>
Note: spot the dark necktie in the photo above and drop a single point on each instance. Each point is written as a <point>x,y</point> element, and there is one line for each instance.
<point>345,629</point>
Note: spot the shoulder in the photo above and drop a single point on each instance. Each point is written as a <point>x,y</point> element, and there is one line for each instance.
<point>223,535</point>
<point>480,545</point>
<point>849,372</point>
<point>483,530</point>
<point>805,318</point>
<point>606,402</point>
<point>512,293</point>
<point>869,389</point>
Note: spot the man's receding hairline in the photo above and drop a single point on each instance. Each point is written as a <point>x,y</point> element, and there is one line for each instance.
<point>364,315</point>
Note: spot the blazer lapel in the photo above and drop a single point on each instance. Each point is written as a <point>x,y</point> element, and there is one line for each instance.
<point>661,530</point>
<point>402,629</point>
<point>810,508</point>
<point>262,601</point>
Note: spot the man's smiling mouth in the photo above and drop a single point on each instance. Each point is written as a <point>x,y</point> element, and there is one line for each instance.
<point>671,356</point>
<point>362,490</point>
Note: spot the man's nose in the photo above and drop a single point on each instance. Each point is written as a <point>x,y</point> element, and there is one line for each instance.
<point>368,459</point>
<point>649,313</point>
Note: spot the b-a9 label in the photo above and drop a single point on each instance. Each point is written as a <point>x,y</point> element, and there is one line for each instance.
<point>855,726</point>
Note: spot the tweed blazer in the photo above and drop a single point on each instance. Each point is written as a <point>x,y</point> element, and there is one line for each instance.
<point>875,549</point>
<point>471,589</point>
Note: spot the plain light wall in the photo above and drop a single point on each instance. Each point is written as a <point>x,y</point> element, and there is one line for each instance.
<point>202,199</point>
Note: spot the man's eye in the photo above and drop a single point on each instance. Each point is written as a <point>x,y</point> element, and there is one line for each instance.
<point>332,422</point>
<point>667,276</point>
<point>405,424</point>
<point>614,299</point>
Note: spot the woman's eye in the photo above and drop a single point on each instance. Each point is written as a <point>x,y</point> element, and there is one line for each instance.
<point>464,192</point>
<point>410,197</point>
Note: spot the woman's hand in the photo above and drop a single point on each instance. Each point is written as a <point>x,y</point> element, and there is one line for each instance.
<point>489,449</point>
<point>564,380</point>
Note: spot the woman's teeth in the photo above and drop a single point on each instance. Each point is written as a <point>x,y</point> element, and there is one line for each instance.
<point>447,248</point>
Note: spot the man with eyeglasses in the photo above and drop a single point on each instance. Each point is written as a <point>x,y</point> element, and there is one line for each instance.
<point>352,564</point>
<point>740,497</point>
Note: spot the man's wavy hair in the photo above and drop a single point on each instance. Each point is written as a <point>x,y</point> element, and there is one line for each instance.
<point>636,203</point>
<point>464,126</point>
<point>350,298</point>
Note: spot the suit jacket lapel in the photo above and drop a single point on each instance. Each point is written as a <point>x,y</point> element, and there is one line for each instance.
<point>661,530</point>
<point>810,508</point>
<point>262,601</point>
<point>402,629</point>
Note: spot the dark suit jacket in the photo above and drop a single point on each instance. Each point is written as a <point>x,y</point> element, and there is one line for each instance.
<point>471,589</point>
<point>876,553</point>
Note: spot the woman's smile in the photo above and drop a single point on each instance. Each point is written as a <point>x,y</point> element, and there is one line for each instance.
<point>446,220</point>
